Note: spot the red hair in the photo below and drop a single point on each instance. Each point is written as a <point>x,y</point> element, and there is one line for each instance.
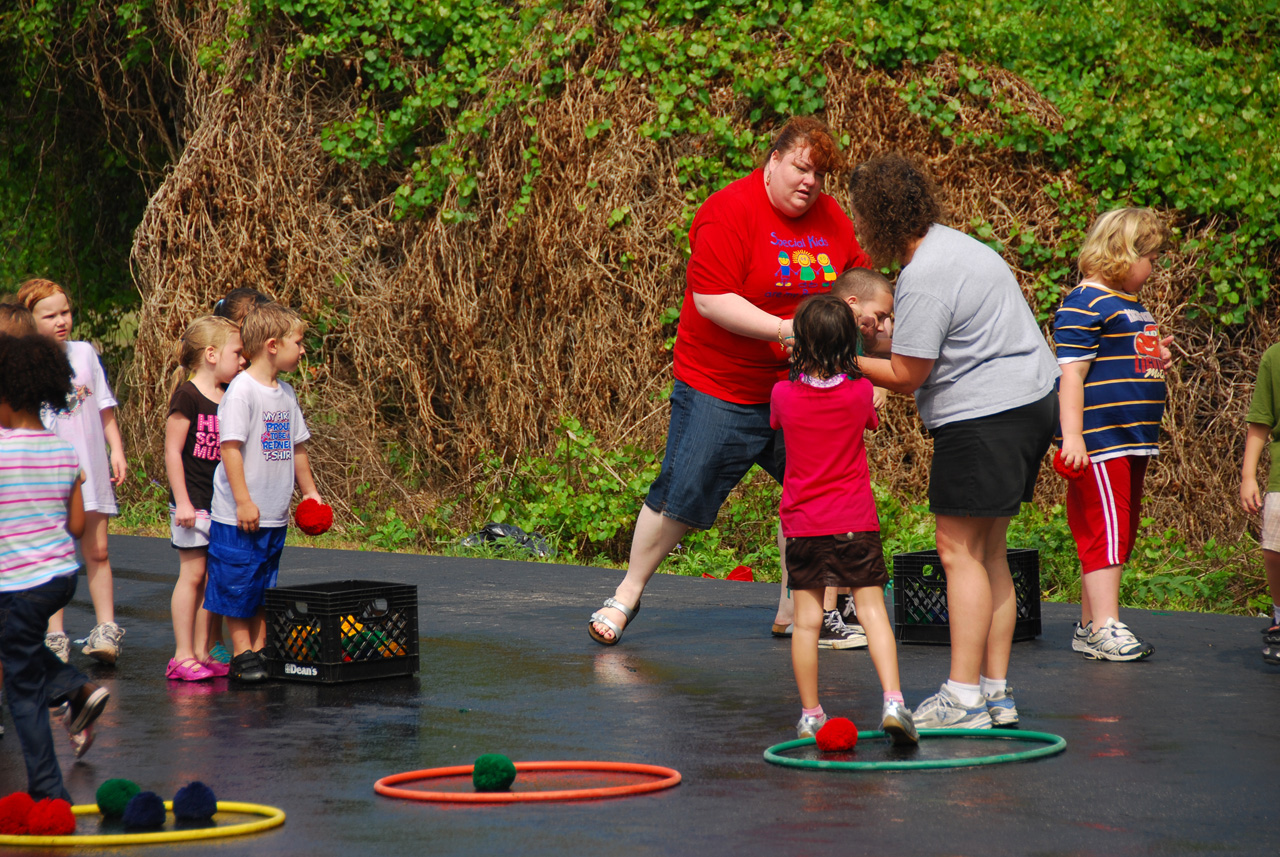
<point>32,292</point>
<point>812,132</point>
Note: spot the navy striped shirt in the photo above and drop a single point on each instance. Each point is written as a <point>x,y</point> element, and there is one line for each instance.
<point>1124,391</point>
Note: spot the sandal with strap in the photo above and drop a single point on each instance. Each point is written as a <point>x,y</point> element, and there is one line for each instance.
<point>629,612</point>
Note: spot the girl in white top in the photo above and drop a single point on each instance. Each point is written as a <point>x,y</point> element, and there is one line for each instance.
<point>88,424</point>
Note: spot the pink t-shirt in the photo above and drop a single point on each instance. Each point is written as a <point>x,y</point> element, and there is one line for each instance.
<point>827,488</point>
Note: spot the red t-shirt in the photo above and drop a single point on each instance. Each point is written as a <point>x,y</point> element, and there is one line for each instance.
<point>827,489</point>
<point>742,244</point>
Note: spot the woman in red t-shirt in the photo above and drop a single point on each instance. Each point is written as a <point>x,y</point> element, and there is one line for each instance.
<point>759,245</point>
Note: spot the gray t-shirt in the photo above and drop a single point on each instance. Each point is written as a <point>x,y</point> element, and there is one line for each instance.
<point>957,303</point>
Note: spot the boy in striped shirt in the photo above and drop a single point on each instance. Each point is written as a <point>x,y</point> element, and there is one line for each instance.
<point>1111,400</point>
<point>40,512</point>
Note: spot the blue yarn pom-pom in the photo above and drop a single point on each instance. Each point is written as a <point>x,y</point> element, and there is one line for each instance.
<point>145,811</point>
<point>194,802</point>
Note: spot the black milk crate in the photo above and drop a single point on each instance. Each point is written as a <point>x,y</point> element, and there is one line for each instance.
<point>920,596</point>
<point>347,630</point>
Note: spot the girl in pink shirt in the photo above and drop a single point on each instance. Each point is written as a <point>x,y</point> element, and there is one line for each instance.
<point>828,513</point>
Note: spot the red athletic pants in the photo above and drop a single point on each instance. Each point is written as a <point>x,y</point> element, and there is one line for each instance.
<point>1103,509</point>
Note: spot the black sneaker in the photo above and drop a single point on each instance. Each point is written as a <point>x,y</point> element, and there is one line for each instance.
<point>1271,644</point>
<point>248,667</point>
<point>836,635</point>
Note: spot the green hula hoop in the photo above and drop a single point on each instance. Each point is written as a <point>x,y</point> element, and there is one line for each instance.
<point>1054,744</point>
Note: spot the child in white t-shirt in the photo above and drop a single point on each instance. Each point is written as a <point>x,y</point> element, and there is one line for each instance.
<point>263,437</point>
<point>88,423</point>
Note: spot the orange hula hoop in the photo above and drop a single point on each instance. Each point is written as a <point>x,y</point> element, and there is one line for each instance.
<point>669,777</point>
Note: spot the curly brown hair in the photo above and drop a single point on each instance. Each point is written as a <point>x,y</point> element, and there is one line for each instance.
<point>824,153</point>
<point>34,373</point>
<point>894,203</point>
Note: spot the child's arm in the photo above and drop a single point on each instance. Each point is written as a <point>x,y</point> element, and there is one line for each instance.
<point>119,464</point>
<point>233,464</point>
<point>1071,413</point>
<point>175,437</point>
<point>75,510</point>
<point>302,472</point>
<point>1255,440</point>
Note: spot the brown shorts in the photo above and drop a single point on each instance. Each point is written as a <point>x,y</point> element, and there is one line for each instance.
<point>848,559</point>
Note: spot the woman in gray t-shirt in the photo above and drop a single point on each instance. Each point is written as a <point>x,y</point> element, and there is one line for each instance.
<point>967,345</point>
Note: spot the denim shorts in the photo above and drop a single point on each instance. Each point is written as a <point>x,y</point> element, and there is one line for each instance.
<point>241,568</point>
<point>711,444</point>
<point>987,467</point>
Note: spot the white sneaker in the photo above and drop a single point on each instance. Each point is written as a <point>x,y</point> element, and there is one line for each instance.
<point>944,710</point>
<point>103,642</point>
<point>1113,641</point>
<point>60,644</point>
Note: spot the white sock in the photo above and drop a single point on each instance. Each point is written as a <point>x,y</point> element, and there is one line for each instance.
<point>992,686</point>
<point>970,695</point>
<point>1275,613</point>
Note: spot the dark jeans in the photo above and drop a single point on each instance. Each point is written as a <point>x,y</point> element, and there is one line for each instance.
<point>34,677</point>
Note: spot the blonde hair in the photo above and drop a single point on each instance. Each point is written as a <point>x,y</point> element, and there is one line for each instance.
<point>16,320</point>
<point>203,333</point>
<point>1119,238</point>
<point>267,321</point>
<point>32,292</point>
<point>861,283</point>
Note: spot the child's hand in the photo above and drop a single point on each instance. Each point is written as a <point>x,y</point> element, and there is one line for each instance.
<point>119,467</point>
<point>879,395</point>
<point>185,515</point>
<point>1166,356</point>
<point>1250,497</point>
<point>247,516</point>
<point>312,495</point>
<point>1074,453</point>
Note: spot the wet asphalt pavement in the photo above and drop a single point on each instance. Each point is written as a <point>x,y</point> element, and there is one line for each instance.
<point>1175,755</point>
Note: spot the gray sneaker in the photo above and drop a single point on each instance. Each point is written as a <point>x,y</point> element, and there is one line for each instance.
<point>1080,636</point>
<point>103,642</point>
<point>1114,641</point>
<point>1002,709</point>
<point>807,726</point>
<point>835,634</point>
<point>944,711</point>
<point>59,644</point>
<point>897,723</point>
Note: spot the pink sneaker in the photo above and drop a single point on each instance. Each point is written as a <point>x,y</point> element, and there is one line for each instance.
<point>187,670</point>
<point>216,668</point>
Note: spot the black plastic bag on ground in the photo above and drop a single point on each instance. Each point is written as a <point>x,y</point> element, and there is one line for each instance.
<point>495,532</point>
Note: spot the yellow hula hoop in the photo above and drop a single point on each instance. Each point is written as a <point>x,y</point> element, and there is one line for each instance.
<point>272,817</point>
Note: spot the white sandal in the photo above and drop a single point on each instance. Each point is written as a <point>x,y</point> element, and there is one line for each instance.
<point>629,612</point>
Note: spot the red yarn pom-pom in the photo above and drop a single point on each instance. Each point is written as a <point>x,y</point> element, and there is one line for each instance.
<point>1064,471</point>
<point>837,734</point>
<point>313,517</point>
<point>51,818</point>
<point>14,810</point>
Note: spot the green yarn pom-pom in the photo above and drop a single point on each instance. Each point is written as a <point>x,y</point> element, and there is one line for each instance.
<point>494,772</point>
<point>114,795</point>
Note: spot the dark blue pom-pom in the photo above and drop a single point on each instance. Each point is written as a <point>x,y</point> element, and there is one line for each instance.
<point>194,802</point>
<point>145,811</point>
